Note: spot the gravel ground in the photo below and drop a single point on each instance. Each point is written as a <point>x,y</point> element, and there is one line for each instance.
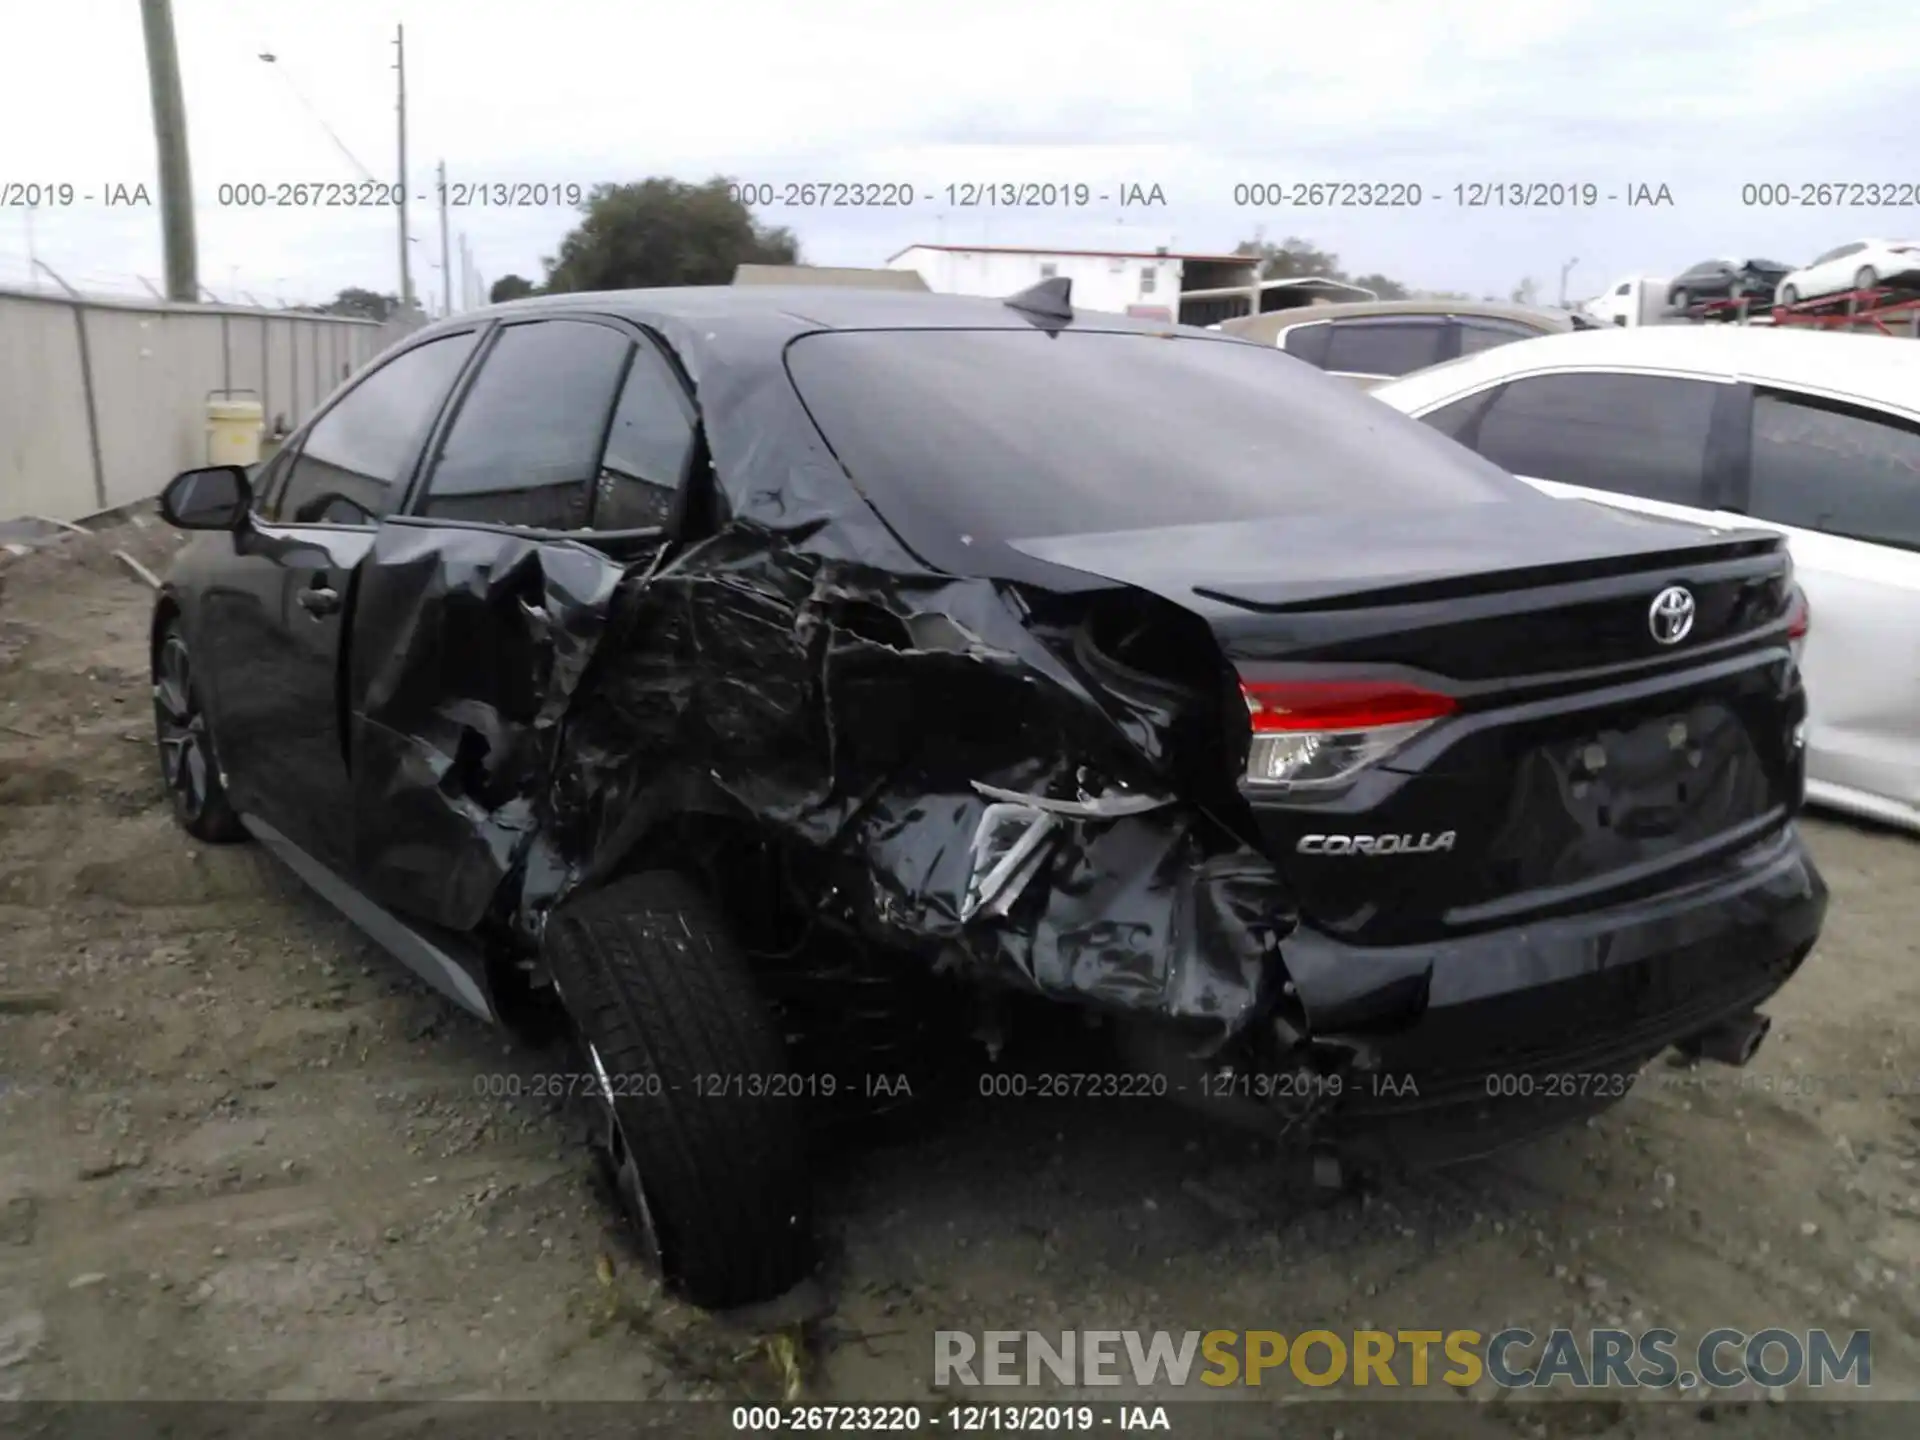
<point>243,1155</point>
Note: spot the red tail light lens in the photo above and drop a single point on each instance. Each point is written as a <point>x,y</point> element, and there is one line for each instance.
<point>1799,615</point>
<point>1309,733</point>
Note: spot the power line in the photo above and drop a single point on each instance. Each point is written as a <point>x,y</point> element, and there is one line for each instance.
<point>274,60</point>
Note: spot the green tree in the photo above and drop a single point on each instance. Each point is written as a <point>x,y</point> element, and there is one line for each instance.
<point>509,287</point>
<point>665,232</point>
<point>362,304</point>
<point>1383,287</point>
<point>1296,258</point>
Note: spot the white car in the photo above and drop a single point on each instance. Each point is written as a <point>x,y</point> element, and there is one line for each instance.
<point>1858,265</point>
<point>1810,434</point>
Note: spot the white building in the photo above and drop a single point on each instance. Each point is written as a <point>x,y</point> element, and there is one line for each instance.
<point>1147,283</point>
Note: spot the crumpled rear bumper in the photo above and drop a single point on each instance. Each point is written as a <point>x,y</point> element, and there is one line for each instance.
<point>1525,1029</point>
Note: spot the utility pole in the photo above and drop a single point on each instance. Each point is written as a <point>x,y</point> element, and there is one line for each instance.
<point>170,138</point>
<point>1566,270</point>
<point>446,270</point>
<point>400,67</point>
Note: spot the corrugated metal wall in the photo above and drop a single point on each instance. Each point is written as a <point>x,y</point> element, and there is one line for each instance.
<point>102,402</point>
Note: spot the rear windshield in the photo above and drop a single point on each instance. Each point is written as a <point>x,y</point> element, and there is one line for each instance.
<point>1013,434</point>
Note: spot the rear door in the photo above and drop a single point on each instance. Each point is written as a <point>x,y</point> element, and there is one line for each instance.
<point>1827,273</point>
<point>273,621</point>
<point>1843,483</point>
<point>557,472</point>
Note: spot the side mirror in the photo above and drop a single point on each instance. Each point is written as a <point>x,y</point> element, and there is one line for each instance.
<point>216,498</point>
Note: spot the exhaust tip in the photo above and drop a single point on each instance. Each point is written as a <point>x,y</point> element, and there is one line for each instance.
<point>1731,1042</point>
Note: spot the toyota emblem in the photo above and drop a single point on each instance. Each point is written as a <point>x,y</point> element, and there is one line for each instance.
<point>1671,615</point>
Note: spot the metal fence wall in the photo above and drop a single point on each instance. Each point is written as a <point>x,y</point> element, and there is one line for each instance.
<point>103,401</point>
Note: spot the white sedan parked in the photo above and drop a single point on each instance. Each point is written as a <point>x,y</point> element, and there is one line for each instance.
<point>1857,265</point>
<point>1814,435</point>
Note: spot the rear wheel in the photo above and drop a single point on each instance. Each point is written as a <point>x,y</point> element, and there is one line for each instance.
<point>1680,299</point>
<point>1789,295</point>
<point>698,1117</point>
<point>187,760</point>
<point>1865,278</point>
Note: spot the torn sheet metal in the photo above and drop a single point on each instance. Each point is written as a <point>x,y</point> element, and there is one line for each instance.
<point>524,715</point>
<point>1011,841</point>
<point>469,648</point>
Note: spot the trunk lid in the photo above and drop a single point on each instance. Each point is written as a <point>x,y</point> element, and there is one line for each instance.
<point>1584,759</point>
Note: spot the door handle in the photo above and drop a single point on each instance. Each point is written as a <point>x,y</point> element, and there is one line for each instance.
<point>319,600</point>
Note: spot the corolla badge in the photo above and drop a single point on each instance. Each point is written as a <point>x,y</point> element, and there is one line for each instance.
<point>1670,617</point>
<point>1423,844</point>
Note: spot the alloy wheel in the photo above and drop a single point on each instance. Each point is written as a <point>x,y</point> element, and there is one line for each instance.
<point>618,1162</point>
<point>607,1136</point>
<point>186,745</point>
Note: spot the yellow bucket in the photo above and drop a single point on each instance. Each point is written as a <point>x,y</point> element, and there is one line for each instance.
<point>233,431</point>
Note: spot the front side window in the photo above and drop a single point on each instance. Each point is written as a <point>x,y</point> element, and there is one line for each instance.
<point>1836,471</point>
<point>1384,347</point>
<point>1641,435</point>
<point>522,449</point>
<point>356,461</point>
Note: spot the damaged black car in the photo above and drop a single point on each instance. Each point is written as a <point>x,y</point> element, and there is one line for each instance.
<point>752,677</point>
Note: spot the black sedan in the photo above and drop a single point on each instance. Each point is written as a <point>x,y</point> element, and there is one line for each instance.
<point>744,684</point>
<point>1726,280</point>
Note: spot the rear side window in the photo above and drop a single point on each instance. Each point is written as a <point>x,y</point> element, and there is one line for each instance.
<point>1013,434</point>
<point>1457,421</point>
<point>1478,335</point>
<point>358,456</point>
<point>1835,471</point>
<point>1641,435</point>
<point>1384,347</point>
<point>522,449</point>
<point>1308,343</point>
<point>647,449</point>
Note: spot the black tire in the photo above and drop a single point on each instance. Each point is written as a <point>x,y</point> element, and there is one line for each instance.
<point>188,763</point>
<point>704,1145</point>
<point>1866,278</point>
<point>1680,299</point>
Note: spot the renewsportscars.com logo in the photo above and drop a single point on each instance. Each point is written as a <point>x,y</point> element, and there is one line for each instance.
<point>1512,1359</point>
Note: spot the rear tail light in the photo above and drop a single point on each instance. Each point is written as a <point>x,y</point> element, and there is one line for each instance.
<point>1314,733</point>
<point>1799,615</point>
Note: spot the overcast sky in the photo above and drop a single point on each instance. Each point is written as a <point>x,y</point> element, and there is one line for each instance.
<point>1701,97</point>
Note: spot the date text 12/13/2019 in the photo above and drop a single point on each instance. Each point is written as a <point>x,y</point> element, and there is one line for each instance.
<point>1471,195</point>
